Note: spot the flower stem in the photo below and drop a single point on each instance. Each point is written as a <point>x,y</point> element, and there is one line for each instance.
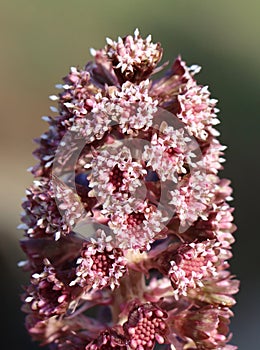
<point>132,287</point>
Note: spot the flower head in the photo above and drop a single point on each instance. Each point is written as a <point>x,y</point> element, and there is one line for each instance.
<point>128,228</point>
<point>198,111</point>
<point>207,327</point>
<point>169,153</point>
<point>136,224</point>
<point>133,58</point>
<point>145,326</point>
<point>115,175</point>
<point>131,106</point>
<point>100,265</point>
<point>193,196</point>
<point>195,263</point>
<point>49,293</point>
<point>41,215</point>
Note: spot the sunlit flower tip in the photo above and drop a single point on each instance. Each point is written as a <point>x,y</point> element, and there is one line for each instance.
<point>198,111</point>
<point>109,339</point>
<point>53,97</point>
<point>146,326</point>
<point>136,225</point>
<point>208,327</point>
<point>92,51</point>
<point>41,216</point>
<point>133,58</point>
<point>169,154</point>
<point>100,265</point>
<point>114,175</point>
<point>193,263</point>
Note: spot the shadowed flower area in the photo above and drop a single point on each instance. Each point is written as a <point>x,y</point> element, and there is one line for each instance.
<point>154,270</point>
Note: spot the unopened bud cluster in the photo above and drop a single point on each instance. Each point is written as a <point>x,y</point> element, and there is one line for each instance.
<point>154,269</point>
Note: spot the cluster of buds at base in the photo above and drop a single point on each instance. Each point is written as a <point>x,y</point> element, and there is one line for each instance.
<point>128,228</point>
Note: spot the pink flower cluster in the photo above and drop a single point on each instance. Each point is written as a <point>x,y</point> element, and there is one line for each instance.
<point>154,269</point>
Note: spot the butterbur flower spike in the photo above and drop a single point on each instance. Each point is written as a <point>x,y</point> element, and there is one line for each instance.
<point>128,228</point>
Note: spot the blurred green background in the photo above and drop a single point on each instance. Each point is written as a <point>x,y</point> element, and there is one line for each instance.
<point>40,40</point>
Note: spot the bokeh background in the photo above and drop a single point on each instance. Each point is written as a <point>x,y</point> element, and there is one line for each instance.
<point>40,40</point>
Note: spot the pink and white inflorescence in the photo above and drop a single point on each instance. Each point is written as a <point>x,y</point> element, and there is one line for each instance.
<point>128,246</point>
